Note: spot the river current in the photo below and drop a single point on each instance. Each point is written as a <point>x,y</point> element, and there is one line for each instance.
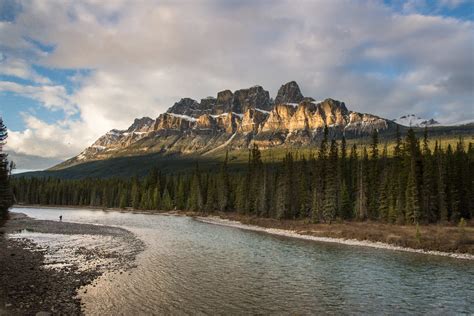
<point>191,267</point>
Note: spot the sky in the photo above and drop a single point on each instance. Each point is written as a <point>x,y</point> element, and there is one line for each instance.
<point>72,70</point>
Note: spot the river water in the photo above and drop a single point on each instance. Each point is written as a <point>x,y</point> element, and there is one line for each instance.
<point>191,267</point>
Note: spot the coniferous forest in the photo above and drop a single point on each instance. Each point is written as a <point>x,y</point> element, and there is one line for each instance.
<point>413,184</point>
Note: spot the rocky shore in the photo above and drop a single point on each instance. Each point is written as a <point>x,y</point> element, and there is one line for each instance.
<point>38,279</point>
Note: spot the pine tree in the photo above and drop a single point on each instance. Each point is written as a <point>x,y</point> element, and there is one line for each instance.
<point>440,185</point>
<point>361,199</point>
<point>195,202</point>
<point>429,193</point>
<point>223,193</point>
<point>123,199</point>
<point>461,171</point>
<point>211,197</point>
<point>384,198</point>
<point>156,197</point>
<point>331,185</point>
<point>304,190</point>
<point>135,193</point>
<point>373,177</point>
<point>318,193</point>
<point>6,198</point>
<point>281,198</point>
<point>167,202</point>
<point>182,192</point>
<point>412,212</point>
<point>240,198</point>
<point>263,195</point>
<point>346,203</point>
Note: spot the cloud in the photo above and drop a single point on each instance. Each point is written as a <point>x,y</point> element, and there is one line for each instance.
<point>52,97</point>
<point>21,69</point>
<point>144,55</point>
<point>61,140</point>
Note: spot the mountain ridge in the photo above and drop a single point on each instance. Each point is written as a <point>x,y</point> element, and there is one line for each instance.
<point>235,120</point>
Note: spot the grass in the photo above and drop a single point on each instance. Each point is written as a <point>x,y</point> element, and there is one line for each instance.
<point>446,238</point>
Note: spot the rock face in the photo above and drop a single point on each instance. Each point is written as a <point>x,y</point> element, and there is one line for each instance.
<point>254,97</point>
<point>186,106</point>
<point>141,125</point>
<point>235,121</point>
<point>289,93</point>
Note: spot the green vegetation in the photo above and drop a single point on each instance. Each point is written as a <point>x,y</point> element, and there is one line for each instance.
<point>419,183</point>
<point>5,192</point>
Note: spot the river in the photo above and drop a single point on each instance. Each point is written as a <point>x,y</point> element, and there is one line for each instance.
<point>191,267</point>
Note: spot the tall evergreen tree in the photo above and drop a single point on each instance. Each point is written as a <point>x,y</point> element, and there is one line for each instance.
<point>361,199</point>
<point>6,198</point>
<point>331,185</point>
<point>195,202</point>
<point>412,209</point>
<point>223,194</point>
<point>373,177</point>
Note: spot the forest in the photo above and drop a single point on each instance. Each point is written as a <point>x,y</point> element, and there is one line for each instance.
<point>412,185</point>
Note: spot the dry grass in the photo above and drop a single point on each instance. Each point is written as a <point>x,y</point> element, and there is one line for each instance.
<point>447,238</point>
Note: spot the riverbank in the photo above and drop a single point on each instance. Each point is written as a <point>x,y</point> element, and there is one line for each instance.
<point>320,236</point>
<point>37,278</point>
<point>446,240</point>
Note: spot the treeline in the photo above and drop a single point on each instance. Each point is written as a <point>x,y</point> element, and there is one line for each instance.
<point>414,185</point>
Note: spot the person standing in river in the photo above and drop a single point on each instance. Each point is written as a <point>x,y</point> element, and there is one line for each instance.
<point>60,218</point>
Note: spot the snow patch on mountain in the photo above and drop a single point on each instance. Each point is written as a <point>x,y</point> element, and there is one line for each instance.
<point>411,120</point>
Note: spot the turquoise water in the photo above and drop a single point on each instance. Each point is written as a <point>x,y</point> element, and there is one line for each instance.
<point>190,267</point>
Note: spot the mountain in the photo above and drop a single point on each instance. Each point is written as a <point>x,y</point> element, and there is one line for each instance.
<point>411,120</point>
<point>235,120</point>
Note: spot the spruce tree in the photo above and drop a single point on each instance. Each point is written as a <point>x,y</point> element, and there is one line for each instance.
<point>320,178</point>
<point>412,209</point>
<point>373,177</point>
<point>223,192</point>
<point>281,206</point>
<point>195,202</point>
<point>331,185</point>
<point>442,209</point>
<point>346,203</point>
<point>361,199</point>
<point>167,202</point>
<point>6,198</point>
<point>429,192</point>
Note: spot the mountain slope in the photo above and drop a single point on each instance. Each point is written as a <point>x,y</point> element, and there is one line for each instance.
<point>235,121</point>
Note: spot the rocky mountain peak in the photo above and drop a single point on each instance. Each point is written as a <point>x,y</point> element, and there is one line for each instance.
<point>289,93</point>
<point>140,124</point>
<point>224,101</point>
<point>186,106</point>
<point>235,120</point>
<point>332,105</point>
<point>251,98</point>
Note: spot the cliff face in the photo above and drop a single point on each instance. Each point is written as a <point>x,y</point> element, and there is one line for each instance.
<point>235,121</point>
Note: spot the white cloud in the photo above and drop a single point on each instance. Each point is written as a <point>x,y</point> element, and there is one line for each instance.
<point>20,68</point>
<point>53,97</point>
<point>61,140</point>
<point>145,55</point>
